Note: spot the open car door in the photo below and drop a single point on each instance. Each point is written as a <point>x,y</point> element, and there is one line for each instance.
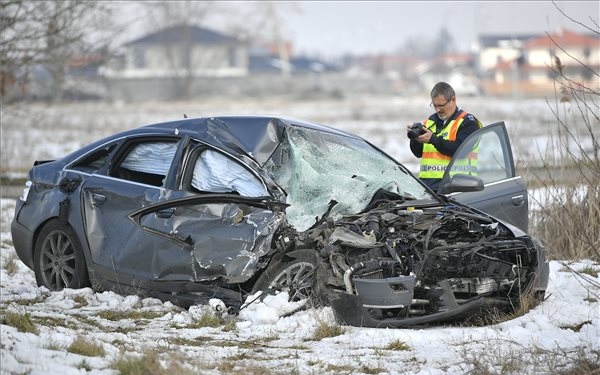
<point>482,175</point>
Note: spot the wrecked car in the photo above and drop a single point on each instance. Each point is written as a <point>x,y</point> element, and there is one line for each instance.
<point>224,207</point>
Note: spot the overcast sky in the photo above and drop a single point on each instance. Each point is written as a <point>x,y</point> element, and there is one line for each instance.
<point>335,27</point>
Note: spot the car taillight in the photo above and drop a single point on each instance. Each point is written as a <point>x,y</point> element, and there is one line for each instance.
<point>26,191</point>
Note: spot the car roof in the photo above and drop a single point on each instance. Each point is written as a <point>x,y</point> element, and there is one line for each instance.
<point>255,136</point>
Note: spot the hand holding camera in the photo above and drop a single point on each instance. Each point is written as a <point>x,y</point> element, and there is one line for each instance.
<point>415,130</point>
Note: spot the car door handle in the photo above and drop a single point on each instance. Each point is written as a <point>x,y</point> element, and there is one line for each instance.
<point>98,199</point>
<point>166,213</point>
<point>518,200</point>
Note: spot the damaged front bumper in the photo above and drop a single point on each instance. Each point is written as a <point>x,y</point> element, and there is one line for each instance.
<point>351,310</point>
<point>404,301</point>
<point>391,303</point>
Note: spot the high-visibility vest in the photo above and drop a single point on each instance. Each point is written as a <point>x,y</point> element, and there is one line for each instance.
<point>434,163</point>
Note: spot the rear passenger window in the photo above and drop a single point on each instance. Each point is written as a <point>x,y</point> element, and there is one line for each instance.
<point>147,163</point>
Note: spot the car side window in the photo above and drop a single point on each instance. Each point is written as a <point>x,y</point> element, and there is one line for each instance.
<point>492,165</point>
<point>486,156</point>
<point>94,161</point>
<point>216,173</point>
<point>147,162</point>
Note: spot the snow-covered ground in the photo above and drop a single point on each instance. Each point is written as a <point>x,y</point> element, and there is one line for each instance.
<point>561,332</point>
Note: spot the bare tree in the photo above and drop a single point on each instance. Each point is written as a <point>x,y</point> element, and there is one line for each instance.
<point>165,14</point>
<point>43,33</point>
<point>265,24</point>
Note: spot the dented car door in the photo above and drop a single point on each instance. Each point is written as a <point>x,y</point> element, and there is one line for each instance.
<point>218,224</point>
<point>208,237</point>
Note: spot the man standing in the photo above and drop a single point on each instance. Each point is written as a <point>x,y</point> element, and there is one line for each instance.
<point>442,133</point>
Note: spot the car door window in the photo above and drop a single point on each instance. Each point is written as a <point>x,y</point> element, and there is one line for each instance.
<point>147,162</point>
<point>486,156</point>
<point>216,173</point>
<point>93,161</point>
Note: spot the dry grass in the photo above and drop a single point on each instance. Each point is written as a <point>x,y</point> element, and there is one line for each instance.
<point>590,270</point>
<point>513,359</point>
<point>209,319</point>
<point>493,316</point>
<point>115,315</point>
<point>398,345</point>
<point>570,228</point>
<point>85,347</point>
<point>11,265</point>
<point>568,220</point>
<point>22,322</point>
<point>150,364</point>
<point>325,330</point>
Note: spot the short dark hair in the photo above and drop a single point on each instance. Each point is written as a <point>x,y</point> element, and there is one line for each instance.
<point>442,88</point>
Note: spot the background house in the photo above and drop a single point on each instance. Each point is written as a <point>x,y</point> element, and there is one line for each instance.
<point>174,63</point>
<point>524,65</point>
<point>186,62</point>
<point>183,50</point>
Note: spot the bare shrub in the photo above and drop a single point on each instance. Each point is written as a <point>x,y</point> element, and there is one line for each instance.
<point>567,173</point>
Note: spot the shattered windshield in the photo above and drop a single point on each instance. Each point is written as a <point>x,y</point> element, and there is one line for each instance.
<point>315,167</point>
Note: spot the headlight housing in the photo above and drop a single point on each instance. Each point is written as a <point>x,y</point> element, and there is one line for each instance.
<point>26,191</point>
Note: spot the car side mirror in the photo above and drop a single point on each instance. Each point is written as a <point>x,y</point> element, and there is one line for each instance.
<point>461,183</point>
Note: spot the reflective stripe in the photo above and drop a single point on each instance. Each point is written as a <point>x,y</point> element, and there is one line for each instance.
<point>435,155</point>
<point>425,168</point>
<point>455,168</point>
<point>454,126</point>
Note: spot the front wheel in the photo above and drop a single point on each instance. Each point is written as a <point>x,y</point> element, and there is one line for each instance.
<point>58,260</point>
<point>294,274</point>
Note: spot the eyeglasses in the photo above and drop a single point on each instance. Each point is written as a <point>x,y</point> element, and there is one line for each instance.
<point>438,106</point>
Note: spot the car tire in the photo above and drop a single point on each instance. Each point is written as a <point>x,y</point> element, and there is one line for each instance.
<point>294,274</point>
<point>58,260</point>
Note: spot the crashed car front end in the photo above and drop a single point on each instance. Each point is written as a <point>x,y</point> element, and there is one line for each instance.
<point>409,257</point>
<point>397,265</point>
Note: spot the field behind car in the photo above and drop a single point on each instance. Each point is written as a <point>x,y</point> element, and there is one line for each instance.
<point>39,131</point>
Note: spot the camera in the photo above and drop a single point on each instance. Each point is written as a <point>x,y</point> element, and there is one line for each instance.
<point>415,130</point>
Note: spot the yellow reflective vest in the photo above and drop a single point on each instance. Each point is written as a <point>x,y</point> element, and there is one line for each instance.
<point>434,163</point>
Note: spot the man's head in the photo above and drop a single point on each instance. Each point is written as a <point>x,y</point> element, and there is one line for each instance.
<point>443,100</point>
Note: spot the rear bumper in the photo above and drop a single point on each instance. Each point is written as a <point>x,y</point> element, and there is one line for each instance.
<point>22,238</point>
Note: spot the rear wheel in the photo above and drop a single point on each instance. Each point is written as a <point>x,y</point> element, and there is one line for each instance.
<point>293,274</point>
<point>58,258</point>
